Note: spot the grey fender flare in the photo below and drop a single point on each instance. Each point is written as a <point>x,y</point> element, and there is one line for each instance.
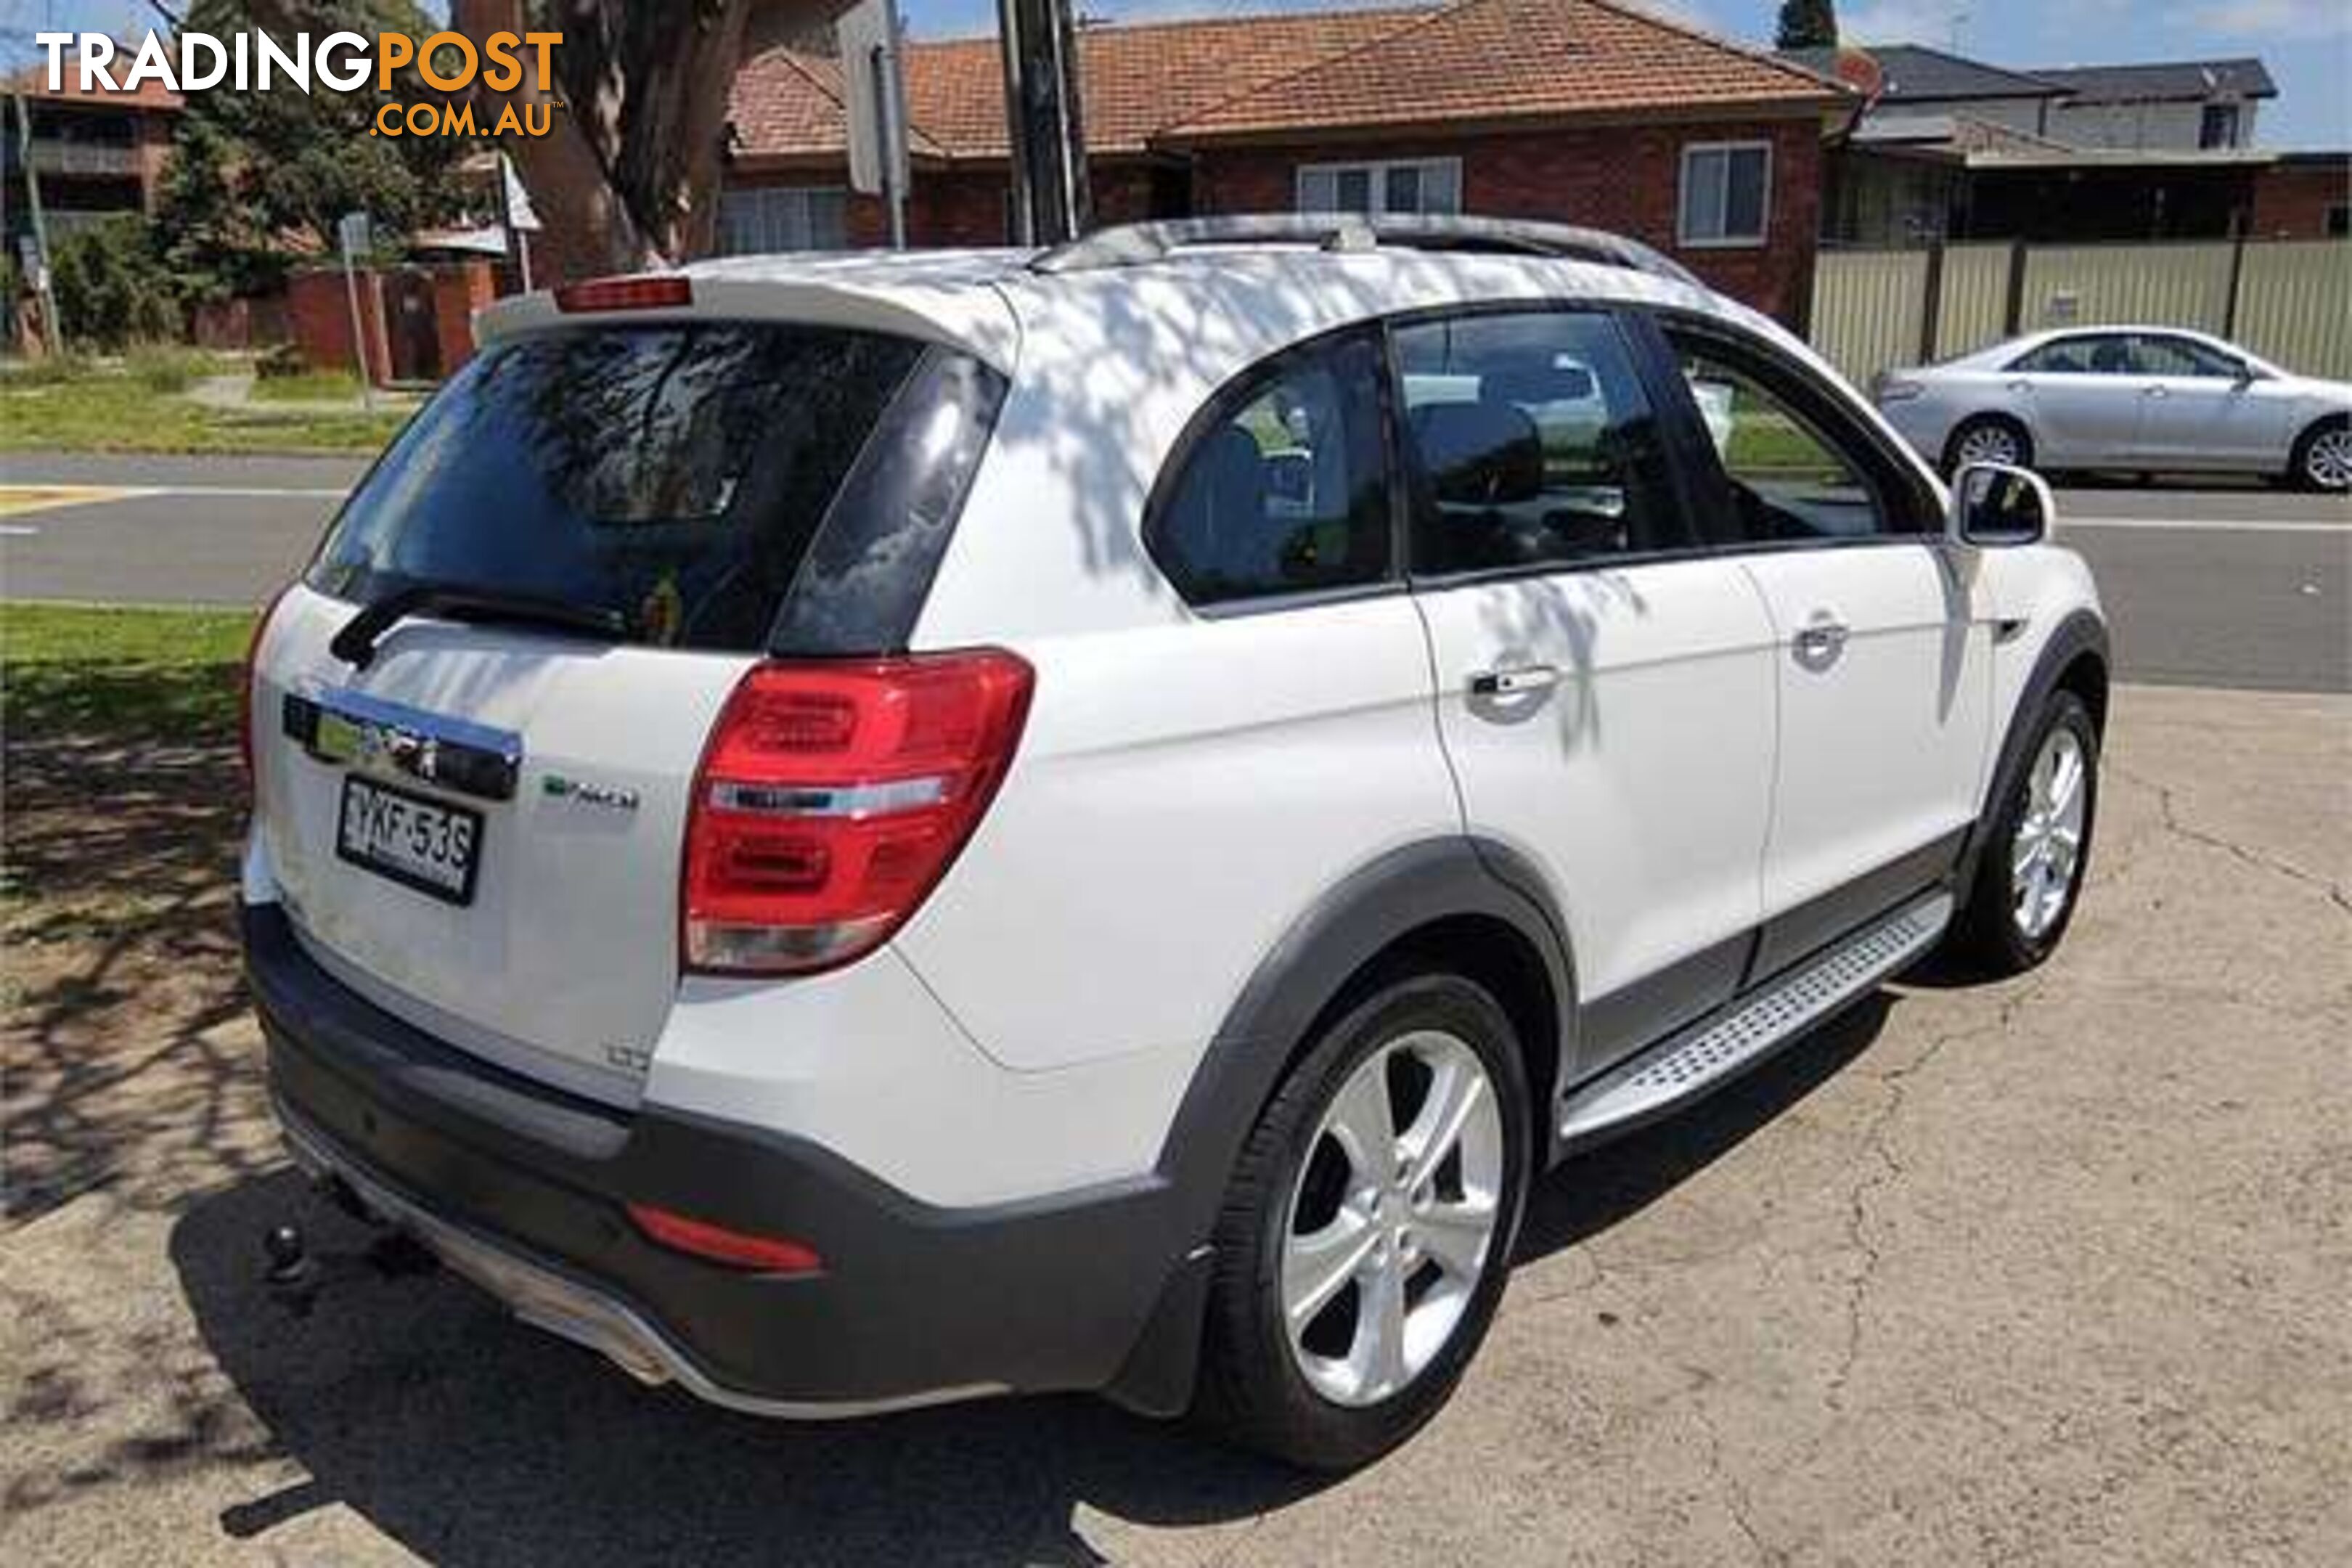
<point>1345,929</point>
<point>2082,632</point>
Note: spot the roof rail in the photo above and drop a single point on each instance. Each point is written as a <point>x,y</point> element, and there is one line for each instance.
<point>1132,245</point>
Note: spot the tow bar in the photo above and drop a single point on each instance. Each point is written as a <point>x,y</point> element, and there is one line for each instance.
<point>295,1276</point>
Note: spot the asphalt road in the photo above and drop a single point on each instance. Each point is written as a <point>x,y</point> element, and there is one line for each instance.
<point>2246,588</point>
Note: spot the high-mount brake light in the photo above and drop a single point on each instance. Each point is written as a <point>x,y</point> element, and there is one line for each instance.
<point>832,798</point>
<point>654,293</point>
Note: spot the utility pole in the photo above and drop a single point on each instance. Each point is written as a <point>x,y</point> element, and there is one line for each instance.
<point>1044,116</point>
<point>53,339</point>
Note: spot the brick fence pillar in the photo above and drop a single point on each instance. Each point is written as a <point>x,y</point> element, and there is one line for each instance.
<point>458,291</point>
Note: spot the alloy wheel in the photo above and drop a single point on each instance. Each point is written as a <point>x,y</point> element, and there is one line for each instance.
<point>1393,1222</point>
<point>1990,443</point>
<point>2327,460</point>
<point>2047,850</point>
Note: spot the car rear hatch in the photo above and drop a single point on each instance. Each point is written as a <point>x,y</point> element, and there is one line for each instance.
<point>478,719</point>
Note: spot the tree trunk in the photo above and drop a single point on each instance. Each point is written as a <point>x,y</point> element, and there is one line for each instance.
<point>628,176</point>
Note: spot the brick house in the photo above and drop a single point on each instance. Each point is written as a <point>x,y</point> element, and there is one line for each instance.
<point>97,154</point>
<point>1576,110</point>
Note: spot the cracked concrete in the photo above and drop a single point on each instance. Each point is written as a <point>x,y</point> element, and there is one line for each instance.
<point>2048,1272</point>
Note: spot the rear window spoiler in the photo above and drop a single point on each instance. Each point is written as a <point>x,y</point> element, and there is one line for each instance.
<point>975,320</point>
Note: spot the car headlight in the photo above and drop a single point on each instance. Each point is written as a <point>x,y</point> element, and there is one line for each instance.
<point>1895,389</point>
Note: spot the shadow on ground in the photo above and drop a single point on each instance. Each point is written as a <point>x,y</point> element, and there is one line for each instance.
<point>471,1440</point>
<point>129,1054</point>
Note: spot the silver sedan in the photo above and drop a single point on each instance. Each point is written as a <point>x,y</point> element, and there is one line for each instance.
<point>2152,399</point>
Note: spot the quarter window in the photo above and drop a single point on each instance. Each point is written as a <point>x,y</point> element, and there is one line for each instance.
<point>1726,191</point>
<point>1794,475</point>
<point>1420,185</point>
<point>1283,485</point>
<point>1532,443</point>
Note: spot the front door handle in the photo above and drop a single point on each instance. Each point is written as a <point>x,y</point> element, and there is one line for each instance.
<point>1819,642</point>
<point>1514,683</point>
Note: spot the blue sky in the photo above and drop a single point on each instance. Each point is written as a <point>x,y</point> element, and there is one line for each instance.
<point>2306,43</point>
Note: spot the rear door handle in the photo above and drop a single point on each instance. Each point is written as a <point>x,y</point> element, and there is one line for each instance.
<point>1514,683</point>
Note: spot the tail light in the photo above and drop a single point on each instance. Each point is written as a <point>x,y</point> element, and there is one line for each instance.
<point>244,685</point>
<point>832,798</point>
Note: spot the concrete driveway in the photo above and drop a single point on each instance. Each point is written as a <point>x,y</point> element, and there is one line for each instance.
<point>2055,1271</point>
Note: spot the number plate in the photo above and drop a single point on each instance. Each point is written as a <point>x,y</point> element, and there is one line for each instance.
<point>418,843</point>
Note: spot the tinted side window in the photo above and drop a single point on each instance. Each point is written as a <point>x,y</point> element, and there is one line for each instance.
<point>1797,471</point>
<point>2078,357</point>
<point>1531,441</point>
<point>1282,487</point>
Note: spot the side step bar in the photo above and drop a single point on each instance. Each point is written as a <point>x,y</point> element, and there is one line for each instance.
<point>1684,1066</point>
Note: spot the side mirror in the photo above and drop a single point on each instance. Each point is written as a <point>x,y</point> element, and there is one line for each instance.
<point>1995,505</point>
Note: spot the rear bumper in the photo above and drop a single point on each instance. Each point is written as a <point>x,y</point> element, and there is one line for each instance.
<point>520,1188</point>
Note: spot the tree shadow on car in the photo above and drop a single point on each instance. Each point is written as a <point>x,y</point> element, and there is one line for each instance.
<point>416,1403</point>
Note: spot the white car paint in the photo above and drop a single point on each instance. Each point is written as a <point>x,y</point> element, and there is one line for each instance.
<point>1188,786</point>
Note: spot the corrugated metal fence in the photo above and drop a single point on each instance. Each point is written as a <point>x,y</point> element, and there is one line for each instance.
<point>2288,301</point>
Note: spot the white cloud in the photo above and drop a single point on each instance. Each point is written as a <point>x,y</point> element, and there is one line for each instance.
<point>2268,18</point>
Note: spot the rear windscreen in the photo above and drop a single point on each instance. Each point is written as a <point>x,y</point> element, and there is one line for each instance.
<point>675,474</point>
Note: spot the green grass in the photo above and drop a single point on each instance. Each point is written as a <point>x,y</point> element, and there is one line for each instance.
<point>1768,443</point>
<point>167,677</point>
<point>117,411</point>
<point>307,387</point>
<point>166,368</point>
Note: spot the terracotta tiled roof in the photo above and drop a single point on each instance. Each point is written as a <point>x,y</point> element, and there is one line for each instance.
<point>785,102</point>
<point>1471,59</point>
<point>1137,80</point>
<point>1487,60</point>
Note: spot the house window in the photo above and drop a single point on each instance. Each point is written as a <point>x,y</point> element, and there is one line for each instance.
<point>2219,128</point>
<point>783,218</point>
<point>2338,225</point>
<point>1726,191</point>
<point>1417,186</point>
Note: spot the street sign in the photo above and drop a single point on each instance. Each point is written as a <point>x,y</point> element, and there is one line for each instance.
<point>868,40</point>
<point>351,235</point>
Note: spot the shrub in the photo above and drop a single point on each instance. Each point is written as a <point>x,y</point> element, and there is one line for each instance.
<point>113,288</point>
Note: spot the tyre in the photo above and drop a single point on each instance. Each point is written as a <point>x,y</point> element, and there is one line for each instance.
<point>2322,456</point>
<point>1366,1235</point>
<point>2030,874</point>
<point>1988,438</point>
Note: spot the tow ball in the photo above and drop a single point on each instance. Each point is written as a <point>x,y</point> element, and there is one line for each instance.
<point>294,1276</point>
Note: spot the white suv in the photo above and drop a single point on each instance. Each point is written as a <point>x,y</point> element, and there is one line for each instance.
<point>855,832</point>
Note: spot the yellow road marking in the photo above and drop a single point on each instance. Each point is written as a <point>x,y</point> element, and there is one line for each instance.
<point>17,499</point>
